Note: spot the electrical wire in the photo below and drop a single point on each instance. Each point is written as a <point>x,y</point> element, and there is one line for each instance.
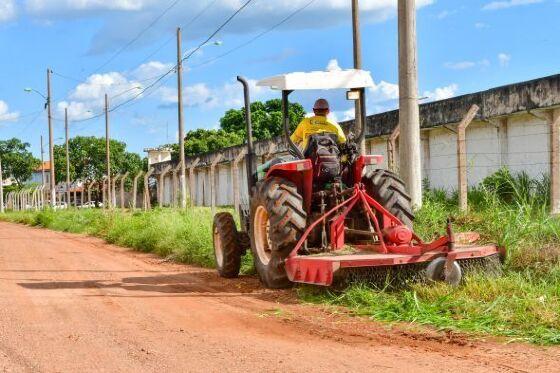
<point>163,76</point>
<point>256,37</point>
<point>138,36</point>
<point>239,10</point>
<point>188,24</point>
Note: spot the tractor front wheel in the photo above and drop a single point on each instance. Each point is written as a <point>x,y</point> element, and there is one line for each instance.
<point>227,248</point>
<point>277,222</point>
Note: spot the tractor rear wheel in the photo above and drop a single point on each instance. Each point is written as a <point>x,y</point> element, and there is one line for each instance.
<point>277,222</point>
<point>389,190</point>
<point>227,248</point>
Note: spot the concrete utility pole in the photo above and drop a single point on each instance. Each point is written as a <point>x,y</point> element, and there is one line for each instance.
<point>357,65</point>
<point>1,189</point>
<point>42,163</point>
<point>182,178</point>
<point>108,151</point>
<point>67,157</point>
<point>409,115</point>
<point>51,138</point>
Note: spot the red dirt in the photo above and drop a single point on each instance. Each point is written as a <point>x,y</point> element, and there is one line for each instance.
<point>73,303</point>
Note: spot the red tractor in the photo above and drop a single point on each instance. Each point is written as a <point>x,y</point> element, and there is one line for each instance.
<point>329,210</point>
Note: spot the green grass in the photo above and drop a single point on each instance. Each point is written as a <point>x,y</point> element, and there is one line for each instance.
<point>182,236</point>
<point>522,305</point>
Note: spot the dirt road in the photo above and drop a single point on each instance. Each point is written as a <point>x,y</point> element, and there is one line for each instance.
<point>73,303</point>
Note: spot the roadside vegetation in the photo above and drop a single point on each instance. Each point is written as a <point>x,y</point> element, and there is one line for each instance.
<point>511,210</point>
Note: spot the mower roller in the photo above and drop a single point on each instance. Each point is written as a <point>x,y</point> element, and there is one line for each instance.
<point>328,213</point>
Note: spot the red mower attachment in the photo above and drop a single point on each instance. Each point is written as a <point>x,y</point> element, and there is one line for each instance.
<point>394,244</point>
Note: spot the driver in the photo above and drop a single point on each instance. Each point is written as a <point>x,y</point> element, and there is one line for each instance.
<point>317,124</point>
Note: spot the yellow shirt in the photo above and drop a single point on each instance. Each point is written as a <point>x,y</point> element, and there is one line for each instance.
<point>313,125</point>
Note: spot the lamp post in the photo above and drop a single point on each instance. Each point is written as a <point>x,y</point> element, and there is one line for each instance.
<point>48,106</point>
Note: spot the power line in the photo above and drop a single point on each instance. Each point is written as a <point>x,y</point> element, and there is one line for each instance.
<point>140,34</point>
<point>188,24</point>
<point>239,10</point>
<point>258,36</point>
<point>163,76</point>
<point>25,128</point>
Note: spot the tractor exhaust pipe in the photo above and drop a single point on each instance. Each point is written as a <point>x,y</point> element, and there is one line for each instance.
<point>250,157</point>
<point>363,117</point>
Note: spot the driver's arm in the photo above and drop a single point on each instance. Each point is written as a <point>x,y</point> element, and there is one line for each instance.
<point>340,133</point>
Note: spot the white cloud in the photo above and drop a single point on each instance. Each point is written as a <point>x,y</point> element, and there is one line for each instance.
<point>201,95</point>
<point>88,98</point>
<point>123,18</point>
<point>6,115</point>
<point>445,13</point>
<point>7,10</point>
<point>151,70</point>
<point>69,6</point>
<point>333,65</point>
<point>464,65</point>
<point>481,25</point>
<point>496,5</point>
<point>442,93</point>
<point>383,92</point>
<point>504,59</point>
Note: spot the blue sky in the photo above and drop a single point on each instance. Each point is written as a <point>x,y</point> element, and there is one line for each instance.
<point>464,46</point>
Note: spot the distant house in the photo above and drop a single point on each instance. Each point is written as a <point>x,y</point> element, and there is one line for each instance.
<point>37,175</point>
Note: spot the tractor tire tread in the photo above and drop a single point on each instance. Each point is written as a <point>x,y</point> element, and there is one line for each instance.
<point>389,190</point>
<point>287,220</point>
<point>232,250</point>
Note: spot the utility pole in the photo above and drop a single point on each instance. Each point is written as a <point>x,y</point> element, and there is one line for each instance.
<point>1,189</point>
<point>42,163</point>
<point>51,138</point>
<point>67,157</point>
<point>357,65</point>
<point>182,178</point>
<point>108,151</point>
<point>409,116</point>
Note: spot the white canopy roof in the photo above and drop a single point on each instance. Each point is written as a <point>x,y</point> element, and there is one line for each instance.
<point>339,79</point>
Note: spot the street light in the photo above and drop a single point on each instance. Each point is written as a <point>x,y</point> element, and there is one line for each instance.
<point>30,90</point>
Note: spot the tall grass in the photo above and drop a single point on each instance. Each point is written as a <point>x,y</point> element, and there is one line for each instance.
<point>523,304</point>
<point>184,236</point>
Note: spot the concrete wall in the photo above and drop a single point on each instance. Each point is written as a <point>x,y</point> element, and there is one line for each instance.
<point>508,131</point>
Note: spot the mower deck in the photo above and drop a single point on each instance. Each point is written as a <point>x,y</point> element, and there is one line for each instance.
<point>320,269</point>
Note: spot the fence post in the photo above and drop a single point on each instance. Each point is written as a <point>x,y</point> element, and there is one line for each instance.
<point>176,186</point>
<point>215,161</point>
<point>135,190</point>
<point>462,156</point>
<point>123,179</point>
<point>392,149</point>
<point>114,190</point>
<point>555,162</point>
<point>192,181</point>
<point>147,202</point>
<point>235,179</point>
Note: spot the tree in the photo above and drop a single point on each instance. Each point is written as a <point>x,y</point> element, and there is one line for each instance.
<point>17,160</point>
<point>267,123</point>
<point>266,118</point>
<point>88,159</point>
